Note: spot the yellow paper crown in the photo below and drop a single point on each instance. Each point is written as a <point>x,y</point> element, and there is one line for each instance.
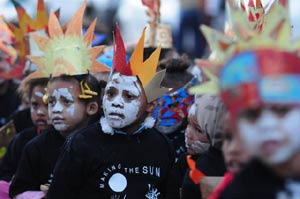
<point>67,52</point>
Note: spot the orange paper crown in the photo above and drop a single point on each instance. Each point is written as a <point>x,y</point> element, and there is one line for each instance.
<point>144,70</point>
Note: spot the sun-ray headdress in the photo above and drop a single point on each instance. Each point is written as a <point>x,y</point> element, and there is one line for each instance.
<point>271,30</point>
<point>156,33</point>
<point>68,52</point>
<point>144,70</point>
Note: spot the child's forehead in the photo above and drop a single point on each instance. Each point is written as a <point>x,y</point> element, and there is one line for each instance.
<point>64,88</point>
<point>60,83</point>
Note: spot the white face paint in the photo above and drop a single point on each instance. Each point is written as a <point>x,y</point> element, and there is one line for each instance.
<point>38,94</point>
<point>119,110</point>
<point>272,138</point>
<point>56,111</point>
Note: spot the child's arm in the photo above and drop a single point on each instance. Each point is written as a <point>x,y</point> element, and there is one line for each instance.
<point>7,167</point>
<point>26,177</point>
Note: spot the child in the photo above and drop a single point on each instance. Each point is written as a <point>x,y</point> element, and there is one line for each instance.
<point>210,163</point>
<point>172,110</point>
<point>123,156</point>
<point>266,119</point>
<point>195,138</point>
<point>71,96</point>
<point>235,157</point>
<point>40,118</point>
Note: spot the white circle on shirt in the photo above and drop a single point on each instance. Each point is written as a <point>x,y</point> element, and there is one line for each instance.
<point>117,182</point>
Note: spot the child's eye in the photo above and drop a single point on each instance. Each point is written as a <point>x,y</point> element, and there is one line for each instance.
<point>51,102</point>
<point>110,93</point>
<point>34,105</point>
<point>130,97</point>
<point>67,102</point>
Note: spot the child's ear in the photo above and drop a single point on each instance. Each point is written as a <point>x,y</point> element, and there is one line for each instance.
<point>92,108</point>
<point>151,106</point>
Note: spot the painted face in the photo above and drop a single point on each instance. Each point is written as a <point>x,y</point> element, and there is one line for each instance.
<point>123,101</point>
<point>195,139</point>
<point>173,108</point>
<point>67,112</point>
<point>38,109</point>
<point>272,134</point>
<point>234,152</point>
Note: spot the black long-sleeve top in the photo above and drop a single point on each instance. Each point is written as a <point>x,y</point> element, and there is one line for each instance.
<point>37,162</point>
<point>98,165</point>
<point>12,157</point>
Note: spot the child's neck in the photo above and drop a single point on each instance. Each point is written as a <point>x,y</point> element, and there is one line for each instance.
<point>74,129</point>
<point>135,126</point>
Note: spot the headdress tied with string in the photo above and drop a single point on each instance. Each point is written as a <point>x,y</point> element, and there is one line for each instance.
<point>144,70</point>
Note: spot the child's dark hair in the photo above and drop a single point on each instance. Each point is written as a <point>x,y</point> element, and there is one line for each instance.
<point>36,82</point>
<point>176,71</point>
<point>89,79</point>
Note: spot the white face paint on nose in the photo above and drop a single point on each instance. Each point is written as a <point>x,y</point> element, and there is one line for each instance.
<point>58,107</point>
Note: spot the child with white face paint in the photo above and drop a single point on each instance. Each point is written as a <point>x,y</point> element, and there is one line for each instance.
<point>210,115</point>
<point>265,120</point>
<point>122,156</point>
<point>68,112</point>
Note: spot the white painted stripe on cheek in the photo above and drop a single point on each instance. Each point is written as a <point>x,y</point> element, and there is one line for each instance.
<point>39,94</point>
<point>71,110</point>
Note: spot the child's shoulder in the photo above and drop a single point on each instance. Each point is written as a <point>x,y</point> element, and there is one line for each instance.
<point>159,137</point>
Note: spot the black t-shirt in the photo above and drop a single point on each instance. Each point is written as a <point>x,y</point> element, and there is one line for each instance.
<point>211,163</point>
<point>37,162</point>
<point>13,154</point>
<point>97,165</point>
<point>254,181</point>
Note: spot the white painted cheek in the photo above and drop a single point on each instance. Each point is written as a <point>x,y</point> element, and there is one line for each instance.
<point>250,136</point>
<point>290,128</point>
<point>131,111</point>
<point>71,110</point>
